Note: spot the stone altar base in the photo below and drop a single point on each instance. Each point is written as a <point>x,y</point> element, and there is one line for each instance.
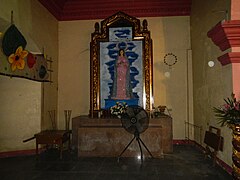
<point>107,137</point>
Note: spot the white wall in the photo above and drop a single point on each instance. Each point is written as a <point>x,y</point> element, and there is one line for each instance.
<point>210,85</point>
<point>22,113</point>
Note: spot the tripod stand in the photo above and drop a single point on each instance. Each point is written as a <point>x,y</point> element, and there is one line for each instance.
<point>138,139</point>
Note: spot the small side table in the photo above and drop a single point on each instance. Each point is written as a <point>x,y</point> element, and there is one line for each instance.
<point>51,137</point>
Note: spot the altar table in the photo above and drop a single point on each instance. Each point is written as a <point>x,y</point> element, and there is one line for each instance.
<point>107,138</point>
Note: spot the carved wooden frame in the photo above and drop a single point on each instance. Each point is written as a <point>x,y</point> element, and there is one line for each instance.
<point>139,33</point>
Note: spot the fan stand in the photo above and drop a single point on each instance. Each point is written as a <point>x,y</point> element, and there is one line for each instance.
<point>137,137</point>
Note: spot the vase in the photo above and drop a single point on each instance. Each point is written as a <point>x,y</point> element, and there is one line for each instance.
<point>236,151</point>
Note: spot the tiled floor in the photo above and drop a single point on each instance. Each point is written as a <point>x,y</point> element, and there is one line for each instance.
<point>186,163</point>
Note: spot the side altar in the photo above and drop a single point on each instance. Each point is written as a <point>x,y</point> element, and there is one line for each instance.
<point>121,71</point>
<point>107,137</point>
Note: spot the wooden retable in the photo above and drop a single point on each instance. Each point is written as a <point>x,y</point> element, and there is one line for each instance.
<point>51,137</point>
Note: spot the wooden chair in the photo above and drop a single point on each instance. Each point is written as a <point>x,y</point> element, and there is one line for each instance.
<point>214,142</point>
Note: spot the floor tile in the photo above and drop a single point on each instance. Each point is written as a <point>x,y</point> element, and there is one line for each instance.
<point>185,163</point>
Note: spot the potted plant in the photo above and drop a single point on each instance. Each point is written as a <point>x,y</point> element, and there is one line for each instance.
<point>159,111</point>
<point>228,115</point>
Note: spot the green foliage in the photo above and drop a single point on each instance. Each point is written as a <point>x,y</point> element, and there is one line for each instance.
<point>228,113</point>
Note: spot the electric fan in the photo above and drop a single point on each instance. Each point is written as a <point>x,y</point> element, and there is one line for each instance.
<point>135,120</point>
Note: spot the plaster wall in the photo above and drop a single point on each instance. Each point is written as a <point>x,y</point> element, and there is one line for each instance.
<point>236,79</point>
<point>169,34</point>
<point>235,13</point>
<point>210,84</point>
<point>22,111</point>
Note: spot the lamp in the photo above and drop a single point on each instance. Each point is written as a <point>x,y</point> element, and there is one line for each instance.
<point>211,63</point>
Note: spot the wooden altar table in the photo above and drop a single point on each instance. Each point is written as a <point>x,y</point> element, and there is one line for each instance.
<point>107,137</point>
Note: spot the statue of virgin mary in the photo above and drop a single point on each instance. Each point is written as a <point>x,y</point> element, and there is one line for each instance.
<point>121,83</point>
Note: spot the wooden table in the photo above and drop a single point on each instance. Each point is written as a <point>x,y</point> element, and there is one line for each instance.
<point>51,137</point>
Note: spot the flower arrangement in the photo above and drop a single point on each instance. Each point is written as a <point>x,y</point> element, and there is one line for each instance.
<point>159,111</point>
<point>118,109</point>
<point>229,113</point>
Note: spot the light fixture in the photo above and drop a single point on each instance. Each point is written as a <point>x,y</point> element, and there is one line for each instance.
<point>211,63</point>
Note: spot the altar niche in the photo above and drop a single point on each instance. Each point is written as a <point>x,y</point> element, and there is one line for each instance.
<point>120,64</point>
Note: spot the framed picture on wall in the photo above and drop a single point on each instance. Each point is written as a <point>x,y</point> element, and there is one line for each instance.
<point>121,64</point>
